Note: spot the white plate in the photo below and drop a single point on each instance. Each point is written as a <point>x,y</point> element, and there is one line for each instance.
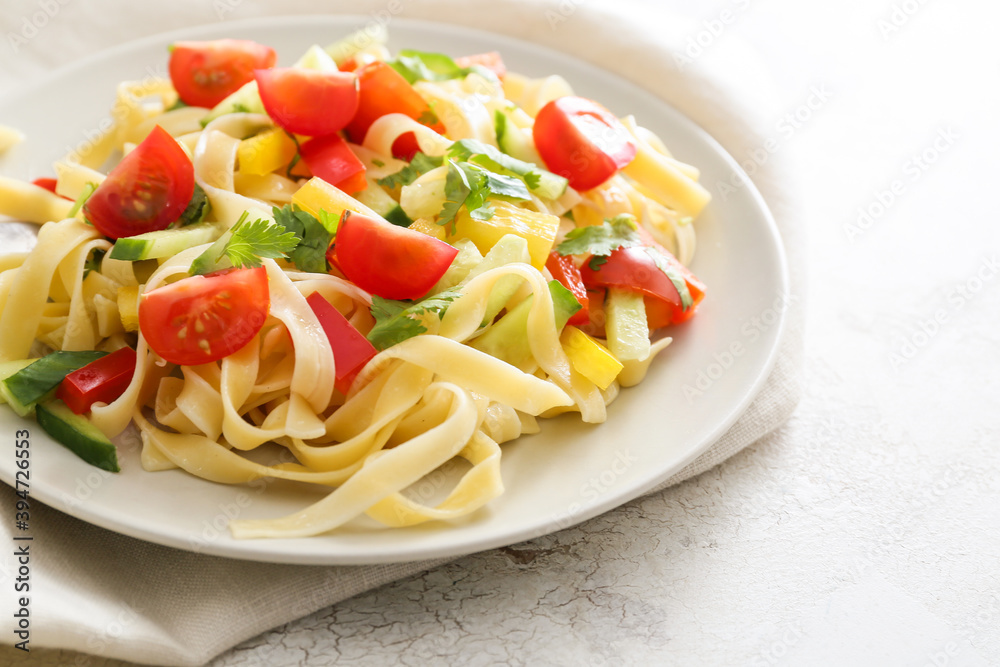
<point>568,473</point>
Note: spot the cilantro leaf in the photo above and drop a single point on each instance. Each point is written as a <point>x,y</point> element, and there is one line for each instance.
<point>419,165</point>
<point>424,66</point>
<point>197,208</point>
<point>244,245</point>
<point>471,185</point>
<point>673,274</point>
<point>93,261</point>
<point>252,241</point>
<point>601,240</point>
<point>499,162</point>
<point>396,321</point>
<point>428,117</point>
<point>456,190</point>
<point>314,238</point>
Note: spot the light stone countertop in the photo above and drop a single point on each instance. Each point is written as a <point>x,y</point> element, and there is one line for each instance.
<point>864,532</point>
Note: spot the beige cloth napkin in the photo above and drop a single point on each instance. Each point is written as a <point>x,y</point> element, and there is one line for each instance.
<point>104,593</point>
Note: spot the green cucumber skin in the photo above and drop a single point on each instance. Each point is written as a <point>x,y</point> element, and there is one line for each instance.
<point>508,339</point>
<point>33,382</point>
<point>398,217</point>
<point>77,434</point>
<point>164,243</point>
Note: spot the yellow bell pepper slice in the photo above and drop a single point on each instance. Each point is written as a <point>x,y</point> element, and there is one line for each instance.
<point>318,195</point>
<point>591,359</point>
<point>128,307</point>
<point>265,152</point>
<point>538,229</point>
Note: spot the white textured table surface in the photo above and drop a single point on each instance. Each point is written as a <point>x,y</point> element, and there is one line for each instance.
<point>867,530</point>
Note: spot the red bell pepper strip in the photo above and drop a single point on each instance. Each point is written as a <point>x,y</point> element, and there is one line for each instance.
<point>351,350</point>
<point>332,159</point>
<point>103,380</point>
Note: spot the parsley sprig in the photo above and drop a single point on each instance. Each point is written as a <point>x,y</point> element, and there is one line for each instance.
<point>313,236</point>
<point>470,185</point>
<point>419,165</point>
<point>294,234</point>
<point>396,321</point>
<point>416,66</point>
<point>600,241</point>
<point>244,245</point>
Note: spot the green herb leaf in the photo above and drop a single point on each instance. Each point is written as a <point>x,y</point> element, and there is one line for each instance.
<point>197,208</point>
<point>314,237</point>
<point>253,241</point>
<point>601,240</point>
<point>456,190</point>
<point>423,66</point>
<point>93,262</point>
<point>396,321</point>
<point>673,274</point>
<point>244,245</point>
<point>419,165</point>
<point>497,161</point>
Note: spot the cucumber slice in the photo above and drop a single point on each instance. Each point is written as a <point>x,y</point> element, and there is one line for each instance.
<point>34,382</point>
<point>628,331</point>
<point>164,243</point>
<point>360,40</point>
<point>7,369</point>
<point>77,434</point>
<point>508,341</point>
<point>508,250</point>
<point>377,199</point>
<point>245,100</point>
<point>518,143</point>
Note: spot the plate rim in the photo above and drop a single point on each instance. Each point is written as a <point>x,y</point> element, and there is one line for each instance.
<point>245,549</point>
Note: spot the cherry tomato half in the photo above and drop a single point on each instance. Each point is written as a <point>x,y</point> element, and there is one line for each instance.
<point>201,319</point>
<point>309,102</point>
<point>393,262</point>
<point>582,141</point>
<point>146,191</point>
<point>205,73</point>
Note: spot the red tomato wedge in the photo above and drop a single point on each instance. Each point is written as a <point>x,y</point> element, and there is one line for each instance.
<point>392,262</point>
<point>201,319</point>
<point>491,61</point>
<point>582,141</point>
<point>309,102</point>
<point>565,270</point>
<point>332,159</point>
<point>694,285</point>
<point>383,90</point>
<point>634,269</point>
<point>102,380</point>
<point>205,73</point>
<point>146,191</point>
<point>351,350</point>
